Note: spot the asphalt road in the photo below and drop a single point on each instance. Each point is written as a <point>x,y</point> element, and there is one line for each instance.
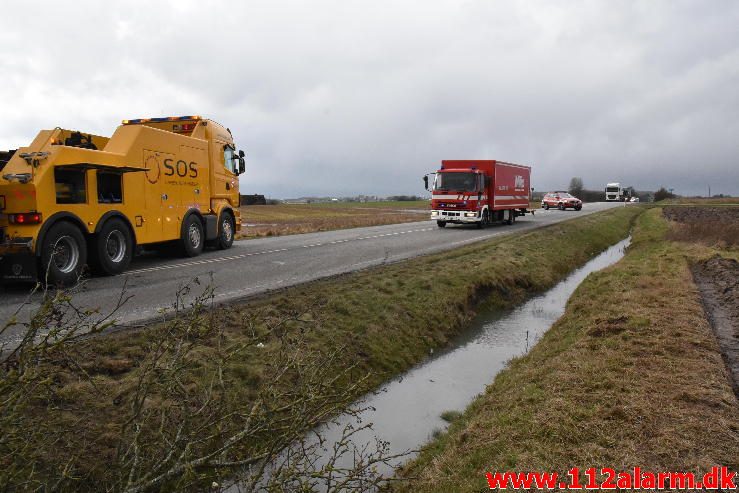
<point>254,266</point>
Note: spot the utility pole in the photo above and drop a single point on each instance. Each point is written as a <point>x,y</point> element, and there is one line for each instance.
<point>709,191</point>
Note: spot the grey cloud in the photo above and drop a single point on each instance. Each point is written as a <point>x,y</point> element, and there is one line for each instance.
<point>336,98</point>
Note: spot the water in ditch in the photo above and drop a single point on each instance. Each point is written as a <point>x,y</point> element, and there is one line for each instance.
<point>406,412</point>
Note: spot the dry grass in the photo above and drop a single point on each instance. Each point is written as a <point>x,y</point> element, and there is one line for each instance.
<point>712,226</point>
<point>285,219</point>
<point>631,375</point>
<point>711,233</point>
<point>705,201</point>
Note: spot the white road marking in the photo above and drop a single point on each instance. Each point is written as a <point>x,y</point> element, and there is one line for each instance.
<point>201,262</point>
<point>244,255</point>
<point>311,245</point>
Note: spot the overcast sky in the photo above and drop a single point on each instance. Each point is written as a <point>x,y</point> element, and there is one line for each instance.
<point>364,97</point>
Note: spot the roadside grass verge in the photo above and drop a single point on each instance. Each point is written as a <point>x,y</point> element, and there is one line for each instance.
<point>631,375</point>
<point>358,330</point>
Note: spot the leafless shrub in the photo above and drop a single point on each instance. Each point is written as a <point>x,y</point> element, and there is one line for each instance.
<point>175,420</point>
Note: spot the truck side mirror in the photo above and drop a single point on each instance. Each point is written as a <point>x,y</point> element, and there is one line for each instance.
<point>426,182</point>
<point>242,163</point>
<point>241,154</point>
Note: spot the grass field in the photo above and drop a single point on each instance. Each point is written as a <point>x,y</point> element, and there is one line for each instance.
<point>703,201</point>
<point>282,219</point>
<point>630,376</point>
<point>286,219</point>
<point>373,324</point>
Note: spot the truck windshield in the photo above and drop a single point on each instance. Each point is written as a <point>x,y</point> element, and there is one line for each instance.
<point>612,189</point>
<point>461,182</point>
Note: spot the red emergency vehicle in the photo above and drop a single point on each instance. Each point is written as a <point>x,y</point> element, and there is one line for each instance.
<point>479,192</point>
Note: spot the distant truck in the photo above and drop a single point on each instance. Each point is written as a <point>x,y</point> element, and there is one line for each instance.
<point>614,193</point>
<point>479,192</point>
<point>71,199</point>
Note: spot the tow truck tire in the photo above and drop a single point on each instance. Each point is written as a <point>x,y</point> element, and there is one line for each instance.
<point>579,207</point>
<point>193,238</point>
<point>546,208</point>
<point>112,249</point>
<point>561,207</point>
<point>441,224</point>
<point>226,230</point>
<point>511,217</point>
<point>63,254</point>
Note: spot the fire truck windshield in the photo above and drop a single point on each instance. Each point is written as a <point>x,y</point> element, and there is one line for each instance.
<point>460,182</point>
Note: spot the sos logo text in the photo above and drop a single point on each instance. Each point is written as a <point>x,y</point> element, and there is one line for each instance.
<point>181,168</point>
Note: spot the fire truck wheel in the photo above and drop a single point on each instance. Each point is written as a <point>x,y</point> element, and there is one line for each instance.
<point>192,236</point>
<point>546,208</point>
<point>485,220</point>
<point>441,224</point>
<point>113,248</point>
<point>561,206</point>
<point>225,231</point>
<point>63,254</point>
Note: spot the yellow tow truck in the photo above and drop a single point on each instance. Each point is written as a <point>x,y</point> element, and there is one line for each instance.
<point>72,199</point>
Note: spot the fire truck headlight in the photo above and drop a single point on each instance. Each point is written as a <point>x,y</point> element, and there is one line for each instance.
<point>434,213</point>
<point>470,214</point>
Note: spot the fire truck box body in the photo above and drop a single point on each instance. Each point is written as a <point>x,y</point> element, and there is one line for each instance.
<point>69,198</point>
<point>479,192</point>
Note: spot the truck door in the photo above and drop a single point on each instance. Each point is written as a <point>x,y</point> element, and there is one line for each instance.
<point>196,189</point>
<point>170,195</point>
<point>225,179</point>
<point>160,196</point>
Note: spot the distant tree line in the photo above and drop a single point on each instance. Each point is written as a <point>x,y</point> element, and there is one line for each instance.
<point>663,194</point>
<point>404,198</point>
<point>577,188</point>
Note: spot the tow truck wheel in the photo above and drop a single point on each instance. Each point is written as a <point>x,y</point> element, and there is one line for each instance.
<point>546,207</point>
<point>113,248</point>
<point>63,254</point>
<point>561,206</point>
<point>225,231</point>
<point>192,236</point>
<point>441,224</point>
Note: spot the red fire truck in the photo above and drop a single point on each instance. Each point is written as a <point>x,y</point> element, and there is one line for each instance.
<point>479,192</point>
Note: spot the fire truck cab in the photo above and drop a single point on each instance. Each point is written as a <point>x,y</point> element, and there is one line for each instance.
<point>71,199</point>
<point>479,192</point>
